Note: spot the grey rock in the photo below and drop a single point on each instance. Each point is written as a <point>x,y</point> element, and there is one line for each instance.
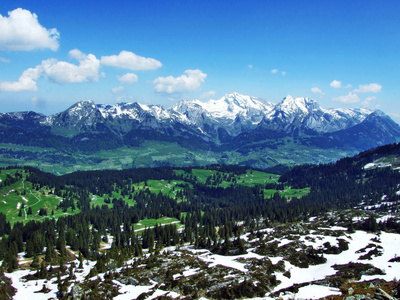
<point>382,295</point>
<point>76,292</point>
<point>128,281</point>
<point>350,291</point>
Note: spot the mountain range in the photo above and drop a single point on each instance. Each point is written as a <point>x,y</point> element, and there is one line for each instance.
<point>235,123</point>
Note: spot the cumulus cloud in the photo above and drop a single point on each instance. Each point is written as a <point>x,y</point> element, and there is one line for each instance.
<point>5,60</point>
<point>21,31</point>
<point>131,61</point>
<point>317,90</point>
<point>274,71</point>
<point>349,98</point>
<point>65,72</point>
<point>208,95</point>
<point>190,81</point>
<point>128,78</point>
<point>117,89</point>
<point>369,88</point>
<point>26,82</point>
<point>367,101</point>
<point>336,84</point>
<point>125,98</point>
<point>77,54</point>
<point>57,71</point>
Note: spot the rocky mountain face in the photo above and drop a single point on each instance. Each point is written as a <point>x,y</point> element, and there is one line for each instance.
<point>304,115</point>
<point>230,122</point>
<point>233,114</point>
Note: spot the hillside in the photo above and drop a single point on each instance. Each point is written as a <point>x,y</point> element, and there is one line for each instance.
<point>236,232</point>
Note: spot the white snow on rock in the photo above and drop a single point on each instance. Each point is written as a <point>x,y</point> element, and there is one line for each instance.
<point>315,292</point>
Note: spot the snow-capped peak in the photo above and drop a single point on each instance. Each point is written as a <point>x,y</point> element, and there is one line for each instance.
<point>83,104</point>
<point>234,113</point>
<point>292,105</point>
<point>233,104</point>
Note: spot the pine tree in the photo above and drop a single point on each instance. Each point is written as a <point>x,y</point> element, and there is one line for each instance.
<point>35,262</point>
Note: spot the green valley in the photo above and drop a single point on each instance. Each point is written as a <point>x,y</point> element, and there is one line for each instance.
<point>23,200</point>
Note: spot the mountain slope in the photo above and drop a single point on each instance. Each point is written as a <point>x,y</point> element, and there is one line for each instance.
<point>304,115</point>
<point>377,128</point>
<point>233,129</point>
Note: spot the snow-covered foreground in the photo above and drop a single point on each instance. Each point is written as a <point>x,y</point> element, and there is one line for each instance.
<point>376,249</point>
<point>390,243</point>
<point>29,289</point>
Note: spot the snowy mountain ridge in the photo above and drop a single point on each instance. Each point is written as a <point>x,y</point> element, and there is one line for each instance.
<point>234,113</point>
<point>235,122</point>
<point>245,127</point>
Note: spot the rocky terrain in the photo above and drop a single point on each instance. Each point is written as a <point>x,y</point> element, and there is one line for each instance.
<point>314,259</point>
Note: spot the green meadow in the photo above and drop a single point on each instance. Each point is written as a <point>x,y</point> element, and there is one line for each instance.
<point>21,201</point>
<point>19,198</point>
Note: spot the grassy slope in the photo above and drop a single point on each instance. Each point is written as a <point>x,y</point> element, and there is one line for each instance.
<point>22,195</point>
<point>251,178</point>
<point>152,222</point>
<point>13,199</point>
<point>152,153</point>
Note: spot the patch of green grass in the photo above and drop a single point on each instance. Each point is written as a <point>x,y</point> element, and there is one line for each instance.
<point>20,197</point>
<point>288,192</point>
<point>142,224</point>
<point>166,187</point>
<point>252,178</point>
<point>202,174</point>
<point>99,201</point>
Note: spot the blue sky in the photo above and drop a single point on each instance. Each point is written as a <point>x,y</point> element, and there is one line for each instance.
<point>340,53</point>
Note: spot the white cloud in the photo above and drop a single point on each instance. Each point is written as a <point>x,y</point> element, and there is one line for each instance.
<point>65,72</point>
<point>125,98</point>
<point>250,66</point>
<point>57,71</point>
<point>317,90</point>
<point>27,82</point>
<point>117,89</point>
<point>131,61</point>
<point>349,98</point>
<point>5,60</point>
<point>191,81</point>
<point>21,31</point>
<point>208,95</point>
<point>369,88</point>
<point>283,73</point>
<point>367,101</point>
<point>128,78</point>
<point>274,71</point>
<point>336,84</point>
<point>77,54</point>
<point>348,86</point>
